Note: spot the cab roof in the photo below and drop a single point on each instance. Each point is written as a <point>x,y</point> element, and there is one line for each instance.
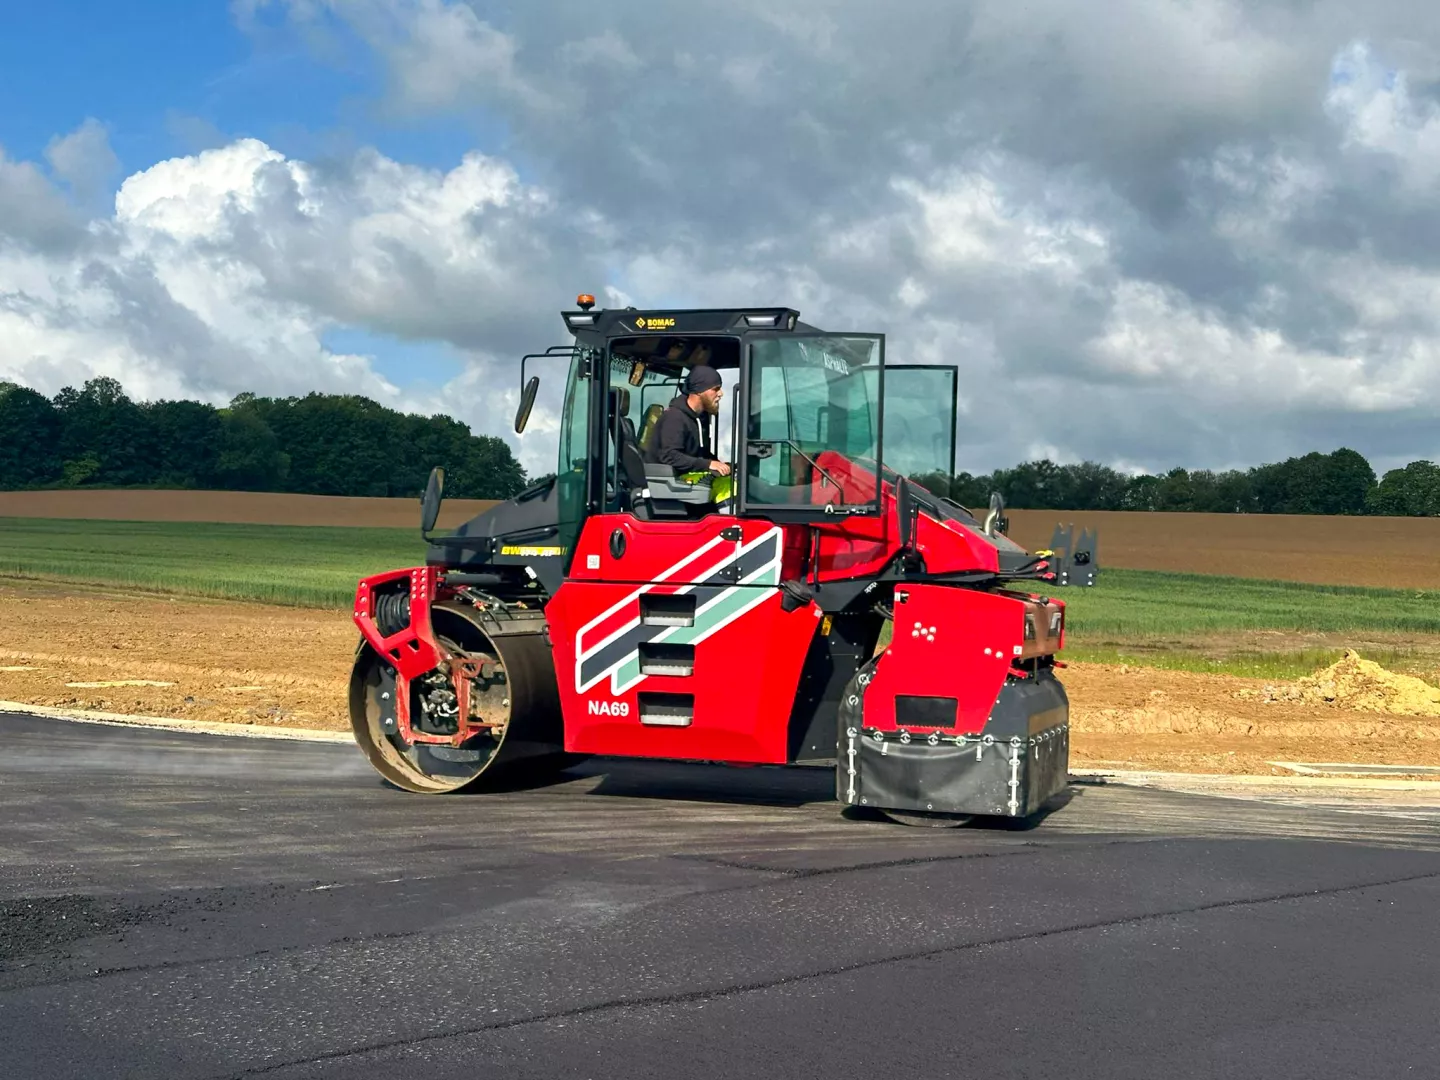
<point>632,322</point>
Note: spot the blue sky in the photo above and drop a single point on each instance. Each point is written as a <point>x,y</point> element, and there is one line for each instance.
<point>171,77</point>
<point>168,77</point>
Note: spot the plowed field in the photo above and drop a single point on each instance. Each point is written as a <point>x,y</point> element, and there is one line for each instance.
<point>238,507</point>
<point>1375,552</point>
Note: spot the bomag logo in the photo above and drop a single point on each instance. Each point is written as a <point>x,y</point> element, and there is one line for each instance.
<point>654,322</point>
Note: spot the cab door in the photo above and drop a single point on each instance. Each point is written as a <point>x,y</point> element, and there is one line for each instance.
<point>812,426</point>
<point>576,472</point>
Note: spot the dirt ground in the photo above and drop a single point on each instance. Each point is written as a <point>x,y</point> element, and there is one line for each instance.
<point>107,650</point>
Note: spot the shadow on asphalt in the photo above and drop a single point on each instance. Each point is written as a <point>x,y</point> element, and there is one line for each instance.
<point>783,787</point>
<point>719,784</point>
<point>758,785</point>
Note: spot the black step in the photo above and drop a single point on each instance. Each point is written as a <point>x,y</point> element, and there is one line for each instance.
<point>666,710</point>
<point>667,609</point>
<point>665,658</point>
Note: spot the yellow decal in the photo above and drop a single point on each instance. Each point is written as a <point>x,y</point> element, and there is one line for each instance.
<point>655,322</point>
<point>516,549</point>
<point>825,625</point>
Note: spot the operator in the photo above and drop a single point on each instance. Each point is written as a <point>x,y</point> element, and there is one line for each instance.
<point>680,438</point>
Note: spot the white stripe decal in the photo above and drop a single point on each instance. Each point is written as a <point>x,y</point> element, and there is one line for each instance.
<point>770,570</point>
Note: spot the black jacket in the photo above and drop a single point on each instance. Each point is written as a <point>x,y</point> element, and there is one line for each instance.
<point>678,439</point>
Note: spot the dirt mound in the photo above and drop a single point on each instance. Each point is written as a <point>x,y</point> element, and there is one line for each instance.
<point>1353,682</point>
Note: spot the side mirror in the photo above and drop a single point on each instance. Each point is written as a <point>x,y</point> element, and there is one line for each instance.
<point>905,512</point>
<point>430,503</point>
<point>527,402</point>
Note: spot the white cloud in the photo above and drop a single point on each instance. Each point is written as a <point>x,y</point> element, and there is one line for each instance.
<point>1378,112</point>
<point>445,52</point>
<point>967,221</point>
<point>222,271</point>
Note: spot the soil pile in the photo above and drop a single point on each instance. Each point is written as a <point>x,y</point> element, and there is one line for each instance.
<point>1353,682</point>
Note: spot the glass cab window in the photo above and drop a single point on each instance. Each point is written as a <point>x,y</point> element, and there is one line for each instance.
<point>812,422</point>
<point>640,391</point>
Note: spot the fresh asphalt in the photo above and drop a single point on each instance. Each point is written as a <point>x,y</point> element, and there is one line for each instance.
<point>176,905</point>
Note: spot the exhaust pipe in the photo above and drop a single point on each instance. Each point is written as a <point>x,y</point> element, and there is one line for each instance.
<point>995,516</point>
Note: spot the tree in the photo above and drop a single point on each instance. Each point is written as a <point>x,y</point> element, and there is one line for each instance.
<point>971,491</point>
<point>1346,483</point>
<point>1315,483</point>
<point>1032,485</point>
<point>105,439</point>
<point>186,439</point>
<point>937,483</point>
<point>1092,486</point>
<point>1176,492</point>
<point>249,458</point>
<point>1142,493</point>
<point>29,439</point>
<point>1413,491</point>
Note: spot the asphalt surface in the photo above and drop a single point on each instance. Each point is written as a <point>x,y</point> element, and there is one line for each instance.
<point>177,906</point>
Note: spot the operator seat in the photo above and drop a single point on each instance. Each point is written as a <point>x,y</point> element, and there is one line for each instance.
<point>627,452</point>
<point>653,412</point>
<point>620,403</point>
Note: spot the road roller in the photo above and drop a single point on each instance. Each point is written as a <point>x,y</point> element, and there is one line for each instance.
<point>799,601</point>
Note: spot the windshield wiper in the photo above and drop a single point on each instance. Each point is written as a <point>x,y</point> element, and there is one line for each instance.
<point>756,443</point>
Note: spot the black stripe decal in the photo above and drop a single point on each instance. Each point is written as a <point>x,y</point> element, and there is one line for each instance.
<point>616,651</point>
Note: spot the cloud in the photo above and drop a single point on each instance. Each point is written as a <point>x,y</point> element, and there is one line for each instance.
<point>32,212</point>
<point>222,271</point>
<point>1197,232</point>
<point>84,160</point>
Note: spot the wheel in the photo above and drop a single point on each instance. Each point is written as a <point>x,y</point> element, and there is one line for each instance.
<point>928,819</point>
<point>517,695</point>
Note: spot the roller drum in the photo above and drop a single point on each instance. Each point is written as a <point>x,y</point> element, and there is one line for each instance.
<point>521,698</point>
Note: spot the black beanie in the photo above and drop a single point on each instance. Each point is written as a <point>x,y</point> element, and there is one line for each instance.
<point>701,378</point>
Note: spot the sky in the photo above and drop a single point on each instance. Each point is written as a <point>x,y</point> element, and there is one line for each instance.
<point>1150,233</point>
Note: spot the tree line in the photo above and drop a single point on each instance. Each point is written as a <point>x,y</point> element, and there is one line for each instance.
<point>343,444</point>
<point>1341,482</point>
<point>319,444</point>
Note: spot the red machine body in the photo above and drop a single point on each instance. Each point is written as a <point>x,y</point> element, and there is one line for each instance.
<point>749,633</point>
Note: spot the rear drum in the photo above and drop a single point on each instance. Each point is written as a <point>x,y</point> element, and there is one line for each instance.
<point>519,697</point>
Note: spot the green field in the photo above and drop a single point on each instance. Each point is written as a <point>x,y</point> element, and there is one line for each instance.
<point>310,566</point>
<point>1171,620</point>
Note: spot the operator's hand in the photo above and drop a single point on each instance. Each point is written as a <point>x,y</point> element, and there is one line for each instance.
<point>720,467</point>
